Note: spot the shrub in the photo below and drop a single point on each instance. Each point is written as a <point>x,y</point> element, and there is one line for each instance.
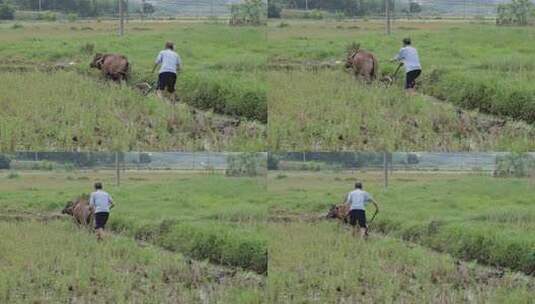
<point>518,12</point>
<point>7,12</point>
<point>5,162</point>
<point>339,16</point>
<point>273,162</point>
<point>13,175</point>
<point>274,9</point>
<point>72,17</point>
<point>514,164</point>
<point>17,26</point>
<point>249,12</point>
<point>283,25</point>
<point>314,14</point>
<point>245,164</point>
<point>50,16</point>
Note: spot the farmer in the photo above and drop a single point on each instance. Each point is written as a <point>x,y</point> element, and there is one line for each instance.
<point>101,202</point>
<point>357,201</point>
<point>170,63</point>
<point>408,56</point>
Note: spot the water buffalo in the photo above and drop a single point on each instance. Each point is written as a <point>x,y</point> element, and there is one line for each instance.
<point>340,212</point>
<point>363,63</point>
<point>80,210</point>
<point>113,66</point>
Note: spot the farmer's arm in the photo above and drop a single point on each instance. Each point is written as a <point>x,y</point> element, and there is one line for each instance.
<point>92,202</point>
<point>348,200</point>
<point>112,203</point>
<point>157,62</point>
<point>399,56</point>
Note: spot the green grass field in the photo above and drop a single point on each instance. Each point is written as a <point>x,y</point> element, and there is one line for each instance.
<point>209,217</point>
<point>57,262</point>
<point>315,105</point>
<point>440,237</point>
<point>427,223</point>
<point>221,73</point>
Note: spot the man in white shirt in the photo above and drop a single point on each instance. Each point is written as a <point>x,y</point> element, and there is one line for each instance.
<point>408,56</point>
<point>170,63</point>
<point>101,202</point>
<point>357,201</point>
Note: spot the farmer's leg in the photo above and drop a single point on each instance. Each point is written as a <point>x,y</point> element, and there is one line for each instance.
<point>100,234</point>
<point>161,85</point>
<point>362,223</point>
<point>171,87</point>
<point>353,222</point>
<point>411,81</point>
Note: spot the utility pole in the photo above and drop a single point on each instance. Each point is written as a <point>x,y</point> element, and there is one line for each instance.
<point>212,8</point>
<point>385,167</point>
<point>142,10</point>
<point>117,169</point>
<point>387,15</point>
<point>40,5</point>
<point>121,16</point>
<point>306,5</point>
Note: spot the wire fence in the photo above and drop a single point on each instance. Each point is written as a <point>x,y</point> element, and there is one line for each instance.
<point>404,8</point>
<point>397,161</point>
<point>197,161</point>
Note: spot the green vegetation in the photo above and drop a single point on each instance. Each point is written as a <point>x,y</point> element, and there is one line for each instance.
<point>328,110</point>
<point>311,97</point>
<point>7,12</point>
<point>322,263</point>
<point>248,12</point>
<point>517,12</point>
<point>69,110</point>
<point>472,217</point>
<point>222,73</point>
<point>85,8</point>
<point>201,216</point>
<point>59,262</point>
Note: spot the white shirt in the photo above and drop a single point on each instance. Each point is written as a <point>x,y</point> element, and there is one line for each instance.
<point>101,201</point>
<point>358,199</point>
<point>409,56</point>
<point>169,61</point>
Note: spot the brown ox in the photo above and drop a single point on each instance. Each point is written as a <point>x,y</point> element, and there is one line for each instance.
<point>363,63</point>
<point>113,66</point>
<point>340,212</point>
<point>80,210</point>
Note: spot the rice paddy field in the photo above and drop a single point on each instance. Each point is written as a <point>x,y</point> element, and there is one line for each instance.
<point>173,238</point>
<point>438,238</point>
<point>48,87</point>
<point>199,237</point>
<point>470,70</point>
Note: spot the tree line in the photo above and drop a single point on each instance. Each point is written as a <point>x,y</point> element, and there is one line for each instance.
<point>82,8</point>
<point>348,8</point>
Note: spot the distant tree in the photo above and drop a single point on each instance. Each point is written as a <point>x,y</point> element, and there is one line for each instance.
<point>274,9</point>
<point>7,12</point>
<point>148,8</point>
<point>4,162</point>
<point>415,8</point>
<point>518,12</point>
<point>249,12</point>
